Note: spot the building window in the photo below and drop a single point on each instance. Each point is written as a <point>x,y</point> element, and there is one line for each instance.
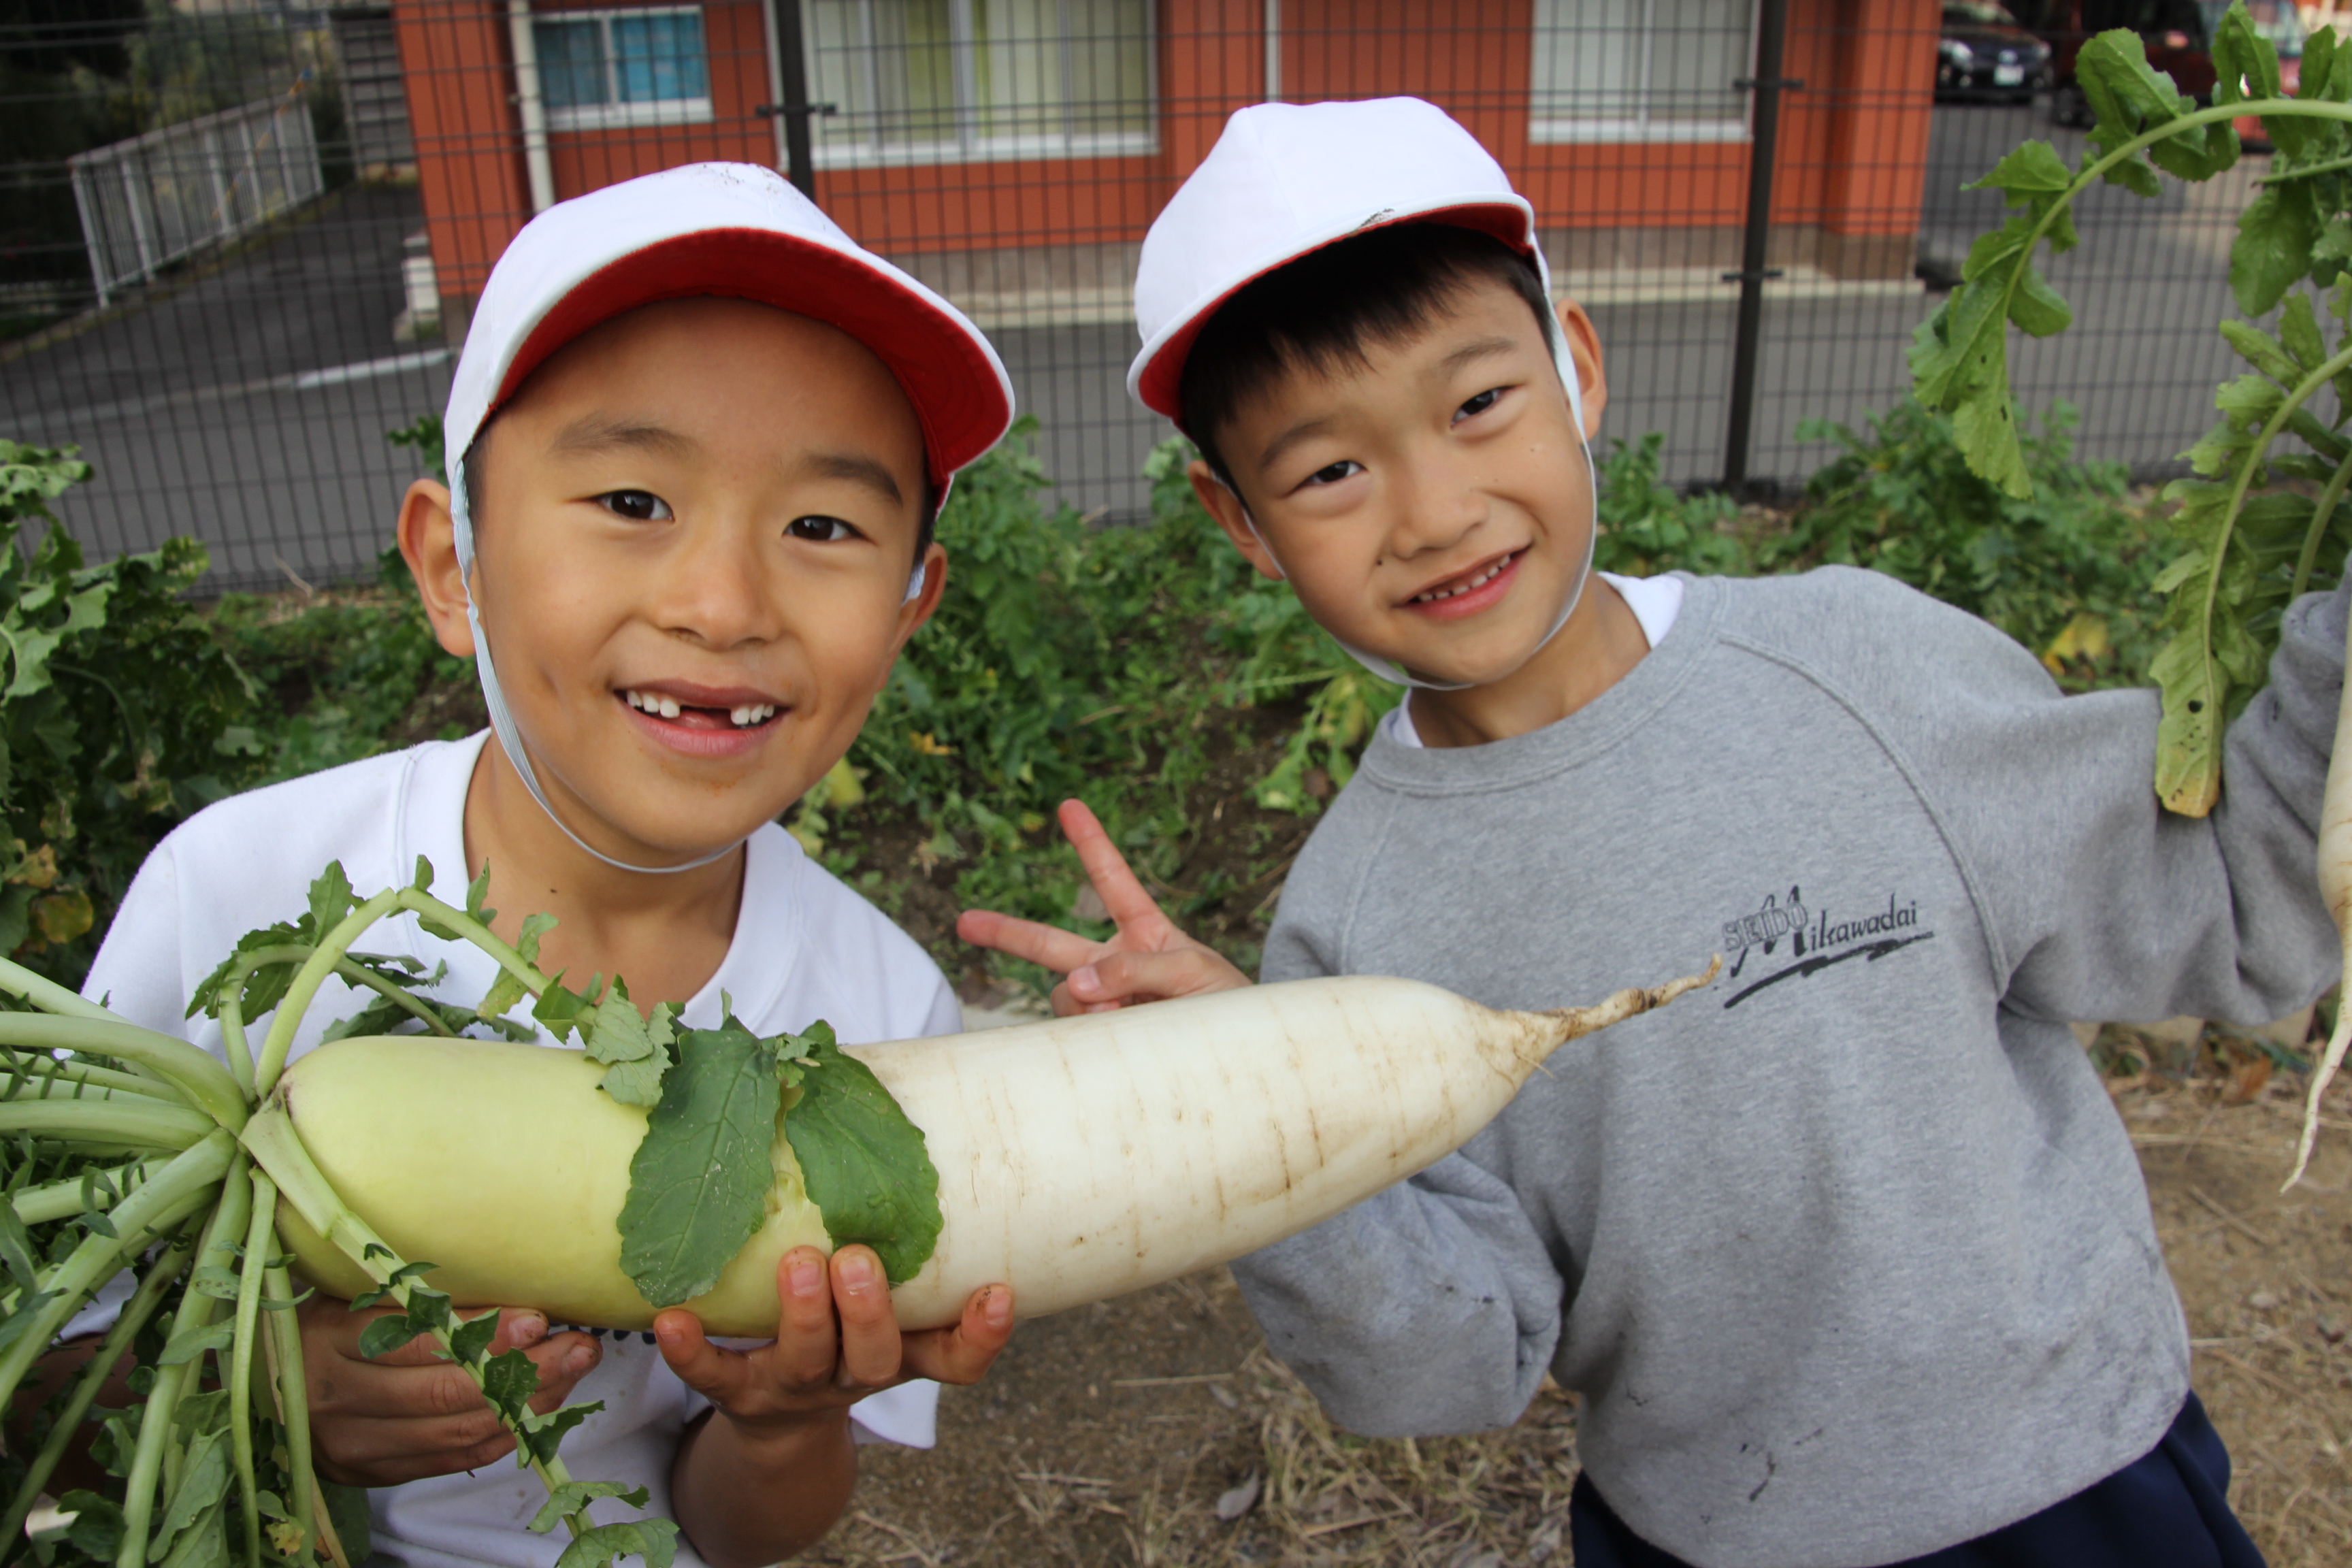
<point>922,81</point>
<point>599,68</point>
<point>1641,70</point>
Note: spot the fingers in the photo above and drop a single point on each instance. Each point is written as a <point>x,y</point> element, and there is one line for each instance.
<point>836,1339</point>
<point>1123,897</point>
<point>563,1362</point>
<point>1058,950</point>
<point>870,1347</point>
<point>964,1353</point>
<point>407,1413</point>
<point>1123,979</point>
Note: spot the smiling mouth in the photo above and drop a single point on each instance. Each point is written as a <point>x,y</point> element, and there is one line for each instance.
<point>1466,585</point>
<point>661,705</point>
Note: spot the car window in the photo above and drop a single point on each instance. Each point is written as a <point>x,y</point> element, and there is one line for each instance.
<point>2272,20</point>
<point>1977,14</point>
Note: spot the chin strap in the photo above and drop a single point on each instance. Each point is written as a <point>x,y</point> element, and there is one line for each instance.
<point>502,722</point>
<point>1385,669</point>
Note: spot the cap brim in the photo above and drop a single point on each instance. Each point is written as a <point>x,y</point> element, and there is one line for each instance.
<point>1157,380</point>
<point>957,385</point>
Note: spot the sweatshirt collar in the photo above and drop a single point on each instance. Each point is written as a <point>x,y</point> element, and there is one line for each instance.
<point>1569,742</point>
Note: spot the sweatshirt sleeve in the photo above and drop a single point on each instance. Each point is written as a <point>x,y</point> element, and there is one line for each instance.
<point>2097,904</point>
<point>1431,1307</point>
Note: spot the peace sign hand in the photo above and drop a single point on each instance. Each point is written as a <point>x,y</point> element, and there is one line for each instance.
<point>1148,960</point>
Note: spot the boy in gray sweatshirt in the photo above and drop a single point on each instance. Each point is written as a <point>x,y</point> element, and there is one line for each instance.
<point>1849,1255</point>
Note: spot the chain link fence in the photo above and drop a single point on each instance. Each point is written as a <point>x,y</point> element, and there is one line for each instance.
<point>1758,201</point>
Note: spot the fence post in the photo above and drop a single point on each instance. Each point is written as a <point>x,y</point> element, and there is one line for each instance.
<point>792,69</point>
<point>1766,85</point>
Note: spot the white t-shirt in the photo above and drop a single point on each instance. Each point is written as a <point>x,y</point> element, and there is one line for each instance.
<point>1654,600</point>
<point>805,948</point>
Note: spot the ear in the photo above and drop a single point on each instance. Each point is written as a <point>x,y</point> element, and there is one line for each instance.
<point>428,542</point>
<point>1232,517</point>
<point>923,605</point>
<point>1584,347</point>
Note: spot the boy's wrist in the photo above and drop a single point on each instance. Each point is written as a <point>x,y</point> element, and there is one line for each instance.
<point>784,1433</point>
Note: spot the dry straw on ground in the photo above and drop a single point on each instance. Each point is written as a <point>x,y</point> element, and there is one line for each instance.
<point>1111,1436</point>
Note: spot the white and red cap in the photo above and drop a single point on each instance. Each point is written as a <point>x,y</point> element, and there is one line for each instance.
<point>741,231</point>
<point>736,230</point>
<point>1286,179</point>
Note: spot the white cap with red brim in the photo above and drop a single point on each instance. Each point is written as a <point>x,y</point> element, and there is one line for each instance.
<point>741,231</point>
<point>735,230</point>
<point>1286,180</point>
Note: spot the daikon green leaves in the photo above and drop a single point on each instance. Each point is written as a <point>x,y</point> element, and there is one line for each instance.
<point>699,1184</point>
<point>865,1165</point>
<point>2246,547</point>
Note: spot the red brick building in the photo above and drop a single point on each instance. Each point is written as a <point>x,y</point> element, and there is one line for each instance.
<point>1012,152</point>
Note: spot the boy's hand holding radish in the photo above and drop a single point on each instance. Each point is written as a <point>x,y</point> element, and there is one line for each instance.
<point>411,1412</point>
<point>1149,960</point>
<point>780,1422</point>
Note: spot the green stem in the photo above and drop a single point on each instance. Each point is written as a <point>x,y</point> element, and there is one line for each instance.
<point>2296,394</point>
<point>305,985</point>
<point>63,1200</point>
<point>107,1123</point>
<point>38,1067</point>
<point>135,1313</point>
<point>196,1312</point>
<point>2323,511</point>
<point>64,1090</point>
<point>391,992</point>
<point>2287,108</point>
<point>240,1055</point>
<point>2282,175</point>
<point>294,1413</point>
<point>180,1189</point>
<point>271,1137</point>
<point>188,1069</point>
<point>330,952</point>
<point>51,998</point>
<point>259,1233</point>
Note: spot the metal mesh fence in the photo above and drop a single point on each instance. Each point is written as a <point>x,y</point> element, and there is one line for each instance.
<point>322,195</point>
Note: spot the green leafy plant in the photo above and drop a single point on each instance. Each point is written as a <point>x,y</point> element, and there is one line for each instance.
<point>2246,547</point>
<point>1648,526</point>
<point>121,715</point>
<point>2067,570</point>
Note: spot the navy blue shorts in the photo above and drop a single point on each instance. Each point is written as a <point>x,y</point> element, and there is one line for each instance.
<point>2168,1509</point>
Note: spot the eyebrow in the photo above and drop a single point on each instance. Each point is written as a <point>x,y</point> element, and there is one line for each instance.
<point>595,433</point>
<point>1481,348</point>
<point>1289,438</point>
<point>856,468</point>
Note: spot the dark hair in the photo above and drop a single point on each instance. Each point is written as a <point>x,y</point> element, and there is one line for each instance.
<point>1320,312</point>
<point>472,468</point>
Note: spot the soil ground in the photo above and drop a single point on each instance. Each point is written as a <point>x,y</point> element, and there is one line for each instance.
<point>1112,1435</point>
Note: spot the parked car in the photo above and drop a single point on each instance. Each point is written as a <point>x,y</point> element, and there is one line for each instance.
<point>1985,52</point>
<point>2179,36</point>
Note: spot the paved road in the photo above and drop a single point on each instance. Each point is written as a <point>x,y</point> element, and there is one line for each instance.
<point>248,408</point>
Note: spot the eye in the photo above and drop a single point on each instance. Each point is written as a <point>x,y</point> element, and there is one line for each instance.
<point>821,530</point>
<point>1345,468</point>
<point>637,506</point>
<point>1478,405</point>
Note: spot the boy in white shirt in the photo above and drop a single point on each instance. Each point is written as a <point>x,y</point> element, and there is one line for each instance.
<point>699,439</point>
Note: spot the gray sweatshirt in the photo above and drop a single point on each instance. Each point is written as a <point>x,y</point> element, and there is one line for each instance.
<point>1849,1254</point>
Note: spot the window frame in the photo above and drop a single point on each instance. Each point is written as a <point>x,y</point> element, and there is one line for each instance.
<point>614,114</point>
<point>1551,130</point>
<point>970,145</point>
